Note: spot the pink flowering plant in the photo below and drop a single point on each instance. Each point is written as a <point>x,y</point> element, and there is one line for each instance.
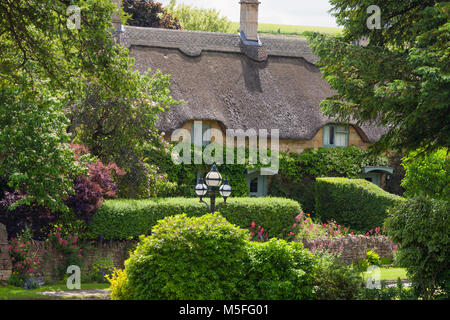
<point>258,234</point>
<point>24,257</point>
<point>375,232</point>
<point>305,228</point>
<point>68,242</point>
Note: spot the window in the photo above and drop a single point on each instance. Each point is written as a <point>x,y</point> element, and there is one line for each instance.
<point>200,133</point>
<point>254,186</point>
<point>335,136</point>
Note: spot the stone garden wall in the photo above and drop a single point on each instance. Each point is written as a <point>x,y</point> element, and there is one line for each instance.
<point>5,262</point>
<point>52,260</point>
<point>354,247</point>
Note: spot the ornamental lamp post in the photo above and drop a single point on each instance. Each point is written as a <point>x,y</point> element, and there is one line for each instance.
<point>213,180</point>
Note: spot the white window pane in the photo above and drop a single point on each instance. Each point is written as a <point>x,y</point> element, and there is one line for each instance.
<point>326,135</point>
<point>341,139</point>
<point>342,129</point>
<point>196,134</point>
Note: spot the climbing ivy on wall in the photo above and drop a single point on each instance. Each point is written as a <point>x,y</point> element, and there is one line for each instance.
<point>296,171</point>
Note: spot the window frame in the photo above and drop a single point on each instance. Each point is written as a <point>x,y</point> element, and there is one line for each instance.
<point>335,131</point>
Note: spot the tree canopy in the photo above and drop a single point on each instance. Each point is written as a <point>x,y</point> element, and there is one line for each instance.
<point>46,67</point>
<point>148,13</point>
<point>194,18</point>
<point>400,79</point>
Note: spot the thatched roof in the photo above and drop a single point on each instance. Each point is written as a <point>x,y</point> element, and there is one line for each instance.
<point>275,86</point>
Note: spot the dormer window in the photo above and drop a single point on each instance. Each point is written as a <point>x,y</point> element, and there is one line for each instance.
<point>200,134</point>
<point>335,135</point>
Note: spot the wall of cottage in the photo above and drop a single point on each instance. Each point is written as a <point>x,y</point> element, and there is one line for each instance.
<point>285,145</point>
<point>354,247</point>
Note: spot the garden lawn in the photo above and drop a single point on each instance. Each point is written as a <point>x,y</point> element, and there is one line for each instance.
<point>390,274</point>
<point>16,293</point>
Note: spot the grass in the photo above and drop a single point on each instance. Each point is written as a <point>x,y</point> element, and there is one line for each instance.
<point>390,274</point>
<point>290,30</point>
<point>16,293</point>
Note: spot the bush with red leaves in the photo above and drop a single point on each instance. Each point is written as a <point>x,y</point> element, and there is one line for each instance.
<point>92,190</point>
<point>149,14</point>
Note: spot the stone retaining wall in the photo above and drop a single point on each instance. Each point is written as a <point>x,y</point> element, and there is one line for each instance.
<point>5,261</point>
<point>52,259</point>
<point>354,247</point>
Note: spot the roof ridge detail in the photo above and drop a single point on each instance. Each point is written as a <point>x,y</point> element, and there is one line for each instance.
<point>193,43</point>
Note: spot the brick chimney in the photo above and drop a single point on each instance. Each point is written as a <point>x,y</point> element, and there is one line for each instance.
<point>249,21</point>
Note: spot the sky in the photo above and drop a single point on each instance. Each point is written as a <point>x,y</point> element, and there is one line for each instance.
<point>292,12</point>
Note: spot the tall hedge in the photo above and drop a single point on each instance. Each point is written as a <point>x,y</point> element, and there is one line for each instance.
<point>124,219</point>
<point>355,203</point>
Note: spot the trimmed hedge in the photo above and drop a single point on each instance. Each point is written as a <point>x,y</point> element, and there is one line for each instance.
<point>355,203</point>
<point>124,219</point>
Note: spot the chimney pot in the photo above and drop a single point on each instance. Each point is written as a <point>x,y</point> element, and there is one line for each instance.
<point>249,19</point>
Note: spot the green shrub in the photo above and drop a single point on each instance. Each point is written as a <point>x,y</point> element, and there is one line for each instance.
<point>421,227</point>
<point>279,270</point>
<point>356,203</point>
<point>101,268</point>
<point>120,286</point>
<point>336,281</point>
<point>207,257</point>
<point>373,258</point>
<point>427,174</point>
<point>123,219</point>
<point>188,258</point>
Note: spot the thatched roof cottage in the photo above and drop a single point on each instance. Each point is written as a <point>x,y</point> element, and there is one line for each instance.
<point>245,81</point>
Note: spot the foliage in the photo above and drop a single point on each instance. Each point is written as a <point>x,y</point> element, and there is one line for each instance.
<point>188,258</point>
<point>279,270</point>
<point>305,228</point>
<point>67,242</point>
<point>193,18</point>
<point>24,257</point>
<point>48,69</point>
<point>120,286</point>
<point>427,174</point>
<point>298,171</point>
<point>209,258</point>
<point>356,203</point>
<point>34,151</point>
<point>91,190</point>
<point>336,281</point>
<point>329,162</point>
<point>120,129</point>
<point>399,80</point>
<point>373,258</point>
<point>257,234</point>
<point>102,268</point>
<point>421,227</point>
<point>151,14</point>
<point>123,219</point>
<point>399,292</point>
<point>37,217</point>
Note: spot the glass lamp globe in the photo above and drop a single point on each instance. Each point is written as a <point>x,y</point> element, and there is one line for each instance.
<point>213,178</point>
<point>201,189</point>
<point>225,189</point>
